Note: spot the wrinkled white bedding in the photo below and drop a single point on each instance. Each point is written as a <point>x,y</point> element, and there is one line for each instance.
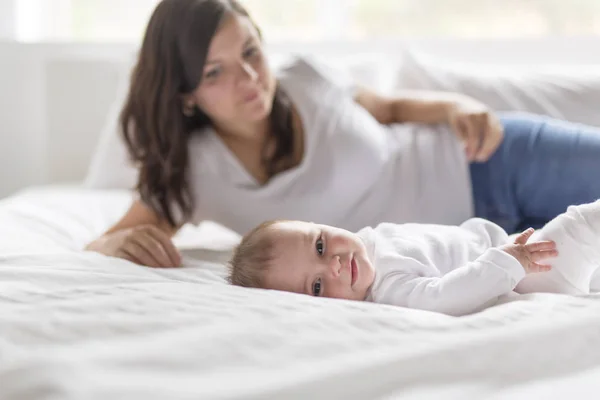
<point>77,325</point>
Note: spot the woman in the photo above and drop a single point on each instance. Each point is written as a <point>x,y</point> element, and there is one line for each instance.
<point>217,135</point>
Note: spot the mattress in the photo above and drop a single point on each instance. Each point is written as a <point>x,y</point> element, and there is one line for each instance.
<point>79,325</point>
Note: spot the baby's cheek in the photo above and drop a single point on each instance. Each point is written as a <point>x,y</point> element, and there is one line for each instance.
<point>339,292</point>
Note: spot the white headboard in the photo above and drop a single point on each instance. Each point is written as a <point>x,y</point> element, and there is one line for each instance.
<point>55,97</point>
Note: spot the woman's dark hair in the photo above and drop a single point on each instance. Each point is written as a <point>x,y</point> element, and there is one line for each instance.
<point>156,132</point>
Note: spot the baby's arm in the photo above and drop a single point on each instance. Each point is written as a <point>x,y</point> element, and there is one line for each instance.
<point>467,289</point>
<point>461,291</point>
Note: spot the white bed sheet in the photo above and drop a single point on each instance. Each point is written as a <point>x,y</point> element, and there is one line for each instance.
<point>78,325</point>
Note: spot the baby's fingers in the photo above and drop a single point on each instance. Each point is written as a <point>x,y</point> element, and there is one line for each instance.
<point>543,255</point>
<point>544,245</point>
<point>535,267</point>
<point>524,236</point>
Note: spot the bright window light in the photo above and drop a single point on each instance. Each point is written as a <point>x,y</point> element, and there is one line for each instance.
<point>315,20</point>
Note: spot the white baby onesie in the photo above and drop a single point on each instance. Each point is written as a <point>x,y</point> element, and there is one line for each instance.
<point>459,269</point>
<point>577,236</point>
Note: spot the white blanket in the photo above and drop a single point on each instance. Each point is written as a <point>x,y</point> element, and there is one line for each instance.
<point>78,325</point>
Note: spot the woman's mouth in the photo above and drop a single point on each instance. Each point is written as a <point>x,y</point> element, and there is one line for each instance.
<point>354,271</point>
<point>251,97</point>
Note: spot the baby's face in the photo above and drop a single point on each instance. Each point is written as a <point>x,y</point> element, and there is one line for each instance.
<point>319,260</point>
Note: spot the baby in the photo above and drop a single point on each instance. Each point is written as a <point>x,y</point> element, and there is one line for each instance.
<point>450,269</point>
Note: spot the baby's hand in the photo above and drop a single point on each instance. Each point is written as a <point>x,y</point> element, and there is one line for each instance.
<point>530,254</point>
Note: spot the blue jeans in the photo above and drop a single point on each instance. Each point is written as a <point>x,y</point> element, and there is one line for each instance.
<point>541,167</point>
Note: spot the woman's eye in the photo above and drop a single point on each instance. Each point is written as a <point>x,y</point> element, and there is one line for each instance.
<point>320,246</point>
<point>250,52</point>
<point>316,289</point>
<point>212,74</point>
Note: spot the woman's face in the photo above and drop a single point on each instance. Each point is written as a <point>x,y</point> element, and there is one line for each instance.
<point>237,84</point>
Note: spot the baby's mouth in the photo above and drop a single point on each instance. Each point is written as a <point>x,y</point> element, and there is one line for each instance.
<point>354,271</point>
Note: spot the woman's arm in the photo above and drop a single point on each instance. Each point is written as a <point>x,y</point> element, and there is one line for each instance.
<point>140,236</point>
<point>140,214</point>
<point>472,121</point>
<point>409,106</point>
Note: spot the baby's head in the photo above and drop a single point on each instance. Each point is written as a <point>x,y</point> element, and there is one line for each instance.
<point>302,257</point>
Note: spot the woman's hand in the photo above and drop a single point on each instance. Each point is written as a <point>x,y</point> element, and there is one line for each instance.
<point>478,128</point>
<point>145,245</point>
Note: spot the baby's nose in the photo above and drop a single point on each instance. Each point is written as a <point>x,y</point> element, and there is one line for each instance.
<point>335,266</point>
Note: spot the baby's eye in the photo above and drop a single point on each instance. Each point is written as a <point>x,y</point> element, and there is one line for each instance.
<point>320,247</point>
<point>316,288</point>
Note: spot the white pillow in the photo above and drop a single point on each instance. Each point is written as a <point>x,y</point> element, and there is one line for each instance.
<point>566,92</point>
<point>110,167</point>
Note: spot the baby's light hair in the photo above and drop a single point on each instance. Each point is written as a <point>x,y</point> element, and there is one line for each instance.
<point>252,257</point>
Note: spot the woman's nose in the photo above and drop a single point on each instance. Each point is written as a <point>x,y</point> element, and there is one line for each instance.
<point>248,71</point>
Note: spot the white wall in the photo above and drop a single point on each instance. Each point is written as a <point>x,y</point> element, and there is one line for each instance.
<point>8,12</point>
<point>53,101</point>
<point>54,97</point>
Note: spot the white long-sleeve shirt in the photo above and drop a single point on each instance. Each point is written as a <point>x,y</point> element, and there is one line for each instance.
<point>459,269</point>
<point>455,270</point>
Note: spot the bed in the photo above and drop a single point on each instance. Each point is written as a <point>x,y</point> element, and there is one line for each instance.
<point>79,325</point>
